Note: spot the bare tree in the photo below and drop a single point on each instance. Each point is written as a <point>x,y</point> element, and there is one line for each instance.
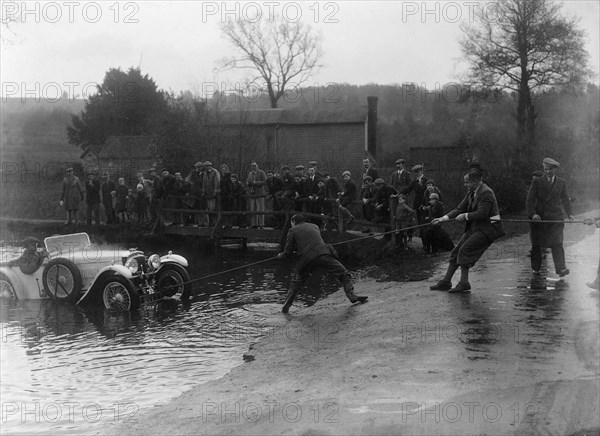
<point>282,53</point>
<point>8,37</point>
<point>526,46</point>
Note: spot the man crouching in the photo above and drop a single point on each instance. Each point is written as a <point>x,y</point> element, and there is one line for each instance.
<point>314,253</point>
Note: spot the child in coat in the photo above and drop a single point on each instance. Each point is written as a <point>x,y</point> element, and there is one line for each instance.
<point>432,234</point>
<point>405,217</point>
<point>121,206</point>
<point>130,204</point>
<point>141,204</point>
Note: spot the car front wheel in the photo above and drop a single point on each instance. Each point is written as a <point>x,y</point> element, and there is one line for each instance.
<point>118,293</point>
<point>172,279</point>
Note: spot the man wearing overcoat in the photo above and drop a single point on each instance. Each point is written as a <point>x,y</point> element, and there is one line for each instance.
<point>547,199</point>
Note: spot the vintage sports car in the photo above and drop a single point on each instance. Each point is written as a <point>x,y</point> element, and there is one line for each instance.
<point>76,271</point>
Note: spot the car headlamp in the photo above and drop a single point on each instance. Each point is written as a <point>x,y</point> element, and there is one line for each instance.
<point>154,261</point>
<point>132,265</point>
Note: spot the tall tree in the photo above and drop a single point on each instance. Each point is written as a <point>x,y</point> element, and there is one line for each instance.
<point>126,103</point>
<point>281,52</point>
<point>526,46</point>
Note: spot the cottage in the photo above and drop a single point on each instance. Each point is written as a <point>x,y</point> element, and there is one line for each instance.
<point>338,139</point>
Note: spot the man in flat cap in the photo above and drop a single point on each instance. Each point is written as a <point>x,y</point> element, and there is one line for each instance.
<point>72,194</point>
<point>383,193</point>
<point>157,194</point>
<point>367,195</point>
<point>347,196</point>
<point>106,187</point>
<point>401,177</point>
<point>195,179</point>
<point>305,238</point>
<point>92,198</point>
<point>480,213</point>
<point>212,186</point>
<point>256,183</point>
<point>419,186</point>
<point>31,259</point>
<point>547,199</point>
<point>314,164</point>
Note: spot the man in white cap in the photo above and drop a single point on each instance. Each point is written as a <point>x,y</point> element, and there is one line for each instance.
<point>547,199</point>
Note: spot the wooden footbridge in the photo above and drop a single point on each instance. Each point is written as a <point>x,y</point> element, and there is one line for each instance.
<point>220,226</point>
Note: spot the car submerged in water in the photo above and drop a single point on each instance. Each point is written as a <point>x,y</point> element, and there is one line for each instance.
<point>74,270</point>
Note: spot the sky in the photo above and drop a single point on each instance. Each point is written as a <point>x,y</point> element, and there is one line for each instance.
<point>67,46</point>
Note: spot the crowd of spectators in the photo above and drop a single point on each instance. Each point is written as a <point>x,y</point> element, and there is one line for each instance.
<point>305,189</point>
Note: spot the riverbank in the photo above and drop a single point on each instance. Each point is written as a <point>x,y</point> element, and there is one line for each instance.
<point>514,357</point>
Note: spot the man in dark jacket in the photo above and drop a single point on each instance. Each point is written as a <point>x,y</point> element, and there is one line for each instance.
<point>347,196</point>
<point>369,169</point>
<point>157,195</point>
<point>383,193</point>
<point>275,189</point>
<point>107,187</point>
<point>419,186</point>
<point>31,259</point>
<point>479,211</point>
<point>547,199</point>
<point>400,178</point>
<point>92,198</point>
<point>314,253</point>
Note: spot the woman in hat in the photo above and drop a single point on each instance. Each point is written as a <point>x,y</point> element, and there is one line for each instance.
<point>72,194</point>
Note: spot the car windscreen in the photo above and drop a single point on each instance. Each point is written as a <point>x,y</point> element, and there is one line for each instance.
<point>64,244</point>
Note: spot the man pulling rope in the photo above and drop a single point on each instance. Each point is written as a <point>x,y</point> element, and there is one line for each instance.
<point>314,254</point>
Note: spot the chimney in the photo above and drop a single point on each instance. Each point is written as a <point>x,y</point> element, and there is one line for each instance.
<point>372,125</point>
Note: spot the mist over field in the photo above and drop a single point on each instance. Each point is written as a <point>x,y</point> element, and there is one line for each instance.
<point>35,148</point>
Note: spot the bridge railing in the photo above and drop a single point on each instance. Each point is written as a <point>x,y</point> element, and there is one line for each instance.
<point>216,216</point>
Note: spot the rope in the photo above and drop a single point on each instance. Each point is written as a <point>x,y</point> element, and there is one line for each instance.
<point>228,270</point>
<point>509,220</point>
<point>381,234</point>
<point>375,235</point>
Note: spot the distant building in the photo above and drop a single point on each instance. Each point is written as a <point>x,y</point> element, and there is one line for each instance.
<point>337,139</point>
<point>122,156</point>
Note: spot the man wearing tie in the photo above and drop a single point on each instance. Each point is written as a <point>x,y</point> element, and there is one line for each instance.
<point>479,211</point>
<point>369,170</point>
<point>400,178</point>
<point>547,199</point>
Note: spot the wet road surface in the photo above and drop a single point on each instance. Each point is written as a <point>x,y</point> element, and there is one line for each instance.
<point>519,355</point>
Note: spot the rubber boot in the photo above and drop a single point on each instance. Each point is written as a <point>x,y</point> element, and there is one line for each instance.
<point>349,289</point>
<point>291,296</point>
